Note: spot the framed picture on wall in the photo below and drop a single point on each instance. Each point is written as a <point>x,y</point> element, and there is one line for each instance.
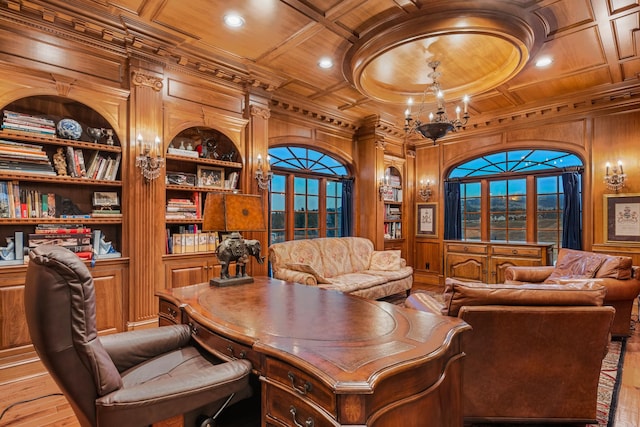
<point>426,217</point>
<point>210,177</point>
<point>622,217</point>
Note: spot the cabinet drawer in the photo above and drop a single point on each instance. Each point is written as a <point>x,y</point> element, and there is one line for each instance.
<point>291,409</point>
<point>469,249</point>
<point>301,384</point>
<point>170,312</point>
<point>223,347</point>
<point>517,251</point>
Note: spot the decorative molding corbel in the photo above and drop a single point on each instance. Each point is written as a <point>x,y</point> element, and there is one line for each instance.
<point>63,84</point>
<point>381,144</point>
<point>263,113</point>
<point>139,79</point>
<point>411,153</point>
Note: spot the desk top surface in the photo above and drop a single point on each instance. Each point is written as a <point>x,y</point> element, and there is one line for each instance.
<point>342,337</point>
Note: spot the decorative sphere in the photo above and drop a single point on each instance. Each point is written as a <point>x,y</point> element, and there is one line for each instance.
<point>69,129</point>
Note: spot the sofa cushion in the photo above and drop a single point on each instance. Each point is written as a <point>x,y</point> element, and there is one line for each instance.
<point>579,265</point>
<point>458,294</point>
<point>615,267</point>
<point>306,268</point>
<point>400,273</point>
<point>385,260</point>
<point>335,256</point>
<point>353,281</point>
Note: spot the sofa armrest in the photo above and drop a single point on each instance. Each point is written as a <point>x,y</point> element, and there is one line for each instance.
<point>296,276</point>
<point>527,274</point>
<point>128,349</point>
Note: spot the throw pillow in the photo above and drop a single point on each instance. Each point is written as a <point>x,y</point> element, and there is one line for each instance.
<point>385,260</point>
<point>306,268</point>
<point>577,266</point>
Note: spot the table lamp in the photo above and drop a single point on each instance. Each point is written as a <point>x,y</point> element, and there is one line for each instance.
<point>233,213</point>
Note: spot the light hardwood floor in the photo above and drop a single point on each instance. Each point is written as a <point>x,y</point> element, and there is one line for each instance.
<point>49,408</point>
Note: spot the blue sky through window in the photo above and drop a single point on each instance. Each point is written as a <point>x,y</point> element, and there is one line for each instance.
<point>515,161</point>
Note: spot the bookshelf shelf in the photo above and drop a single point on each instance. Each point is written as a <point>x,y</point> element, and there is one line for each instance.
<point>52,140</point>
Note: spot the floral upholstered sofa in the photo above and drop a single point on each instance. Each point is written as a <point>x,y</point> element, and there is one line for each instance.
<point>346,264</point>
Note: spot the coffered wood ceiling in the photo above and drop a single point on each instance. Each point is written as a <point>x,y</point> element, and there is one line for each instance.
<point>380,47</point>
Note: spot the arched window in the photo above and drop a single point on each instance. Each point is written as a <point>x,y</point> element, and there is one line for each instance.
<point>307,194</point>
<point>523,194</point>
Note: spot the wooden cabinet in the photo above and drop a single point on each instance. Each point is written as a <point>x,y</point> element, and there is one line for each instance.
<point>486,261</point>
<point>185,270</point>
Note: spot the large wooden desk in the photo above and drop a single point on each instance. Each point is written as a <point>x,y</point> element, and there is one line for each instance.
<point>329,359</point>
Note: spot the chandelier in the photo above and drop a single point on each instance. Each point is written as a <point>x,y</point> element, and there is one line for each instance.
<point>439,124</point>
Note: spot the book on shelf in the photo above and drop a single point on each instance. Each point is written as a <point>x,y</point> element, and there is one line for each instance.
<point>13,120</point>
<point>106,213</point>
<point>61,239</point>
<point>81,169</point>
<point>183,152</point>
<point>61,229</point>
<point>13,253</point>
<point>71,162</point>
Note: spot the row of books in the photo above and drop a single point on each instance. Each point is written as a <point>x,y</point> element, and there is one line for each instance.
<point>16,202</point>
<point>22,122</point>
<point>393,230</point>
<point>99,166</point>
<point>392,213</point>
<point>24,158</point>
<point>392,194</point>
<point>179,243</point>
<point>81,240</point>
<point>180,208</point>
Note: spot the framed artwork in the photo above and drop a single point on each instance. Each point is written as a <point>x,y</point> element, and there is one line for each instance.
<point>426,216</point>
<point>105,199</point>
<point>622,217</point>
<point>210,177</point>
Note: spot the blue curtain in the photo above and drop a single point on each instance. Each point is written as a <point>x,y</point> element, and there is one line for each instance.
<point>347,207</point>
<point>452,214</point>
<point>571,220</point>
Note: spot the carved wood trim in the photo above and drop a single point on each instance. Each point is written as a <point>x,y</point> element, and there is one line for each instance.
<point>140,79</point>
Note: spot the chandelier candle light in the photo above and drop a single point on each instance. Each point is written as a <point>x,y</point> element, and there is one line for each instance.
<point>615,179</point>
<point>149,161</point>
<point>439,124</point>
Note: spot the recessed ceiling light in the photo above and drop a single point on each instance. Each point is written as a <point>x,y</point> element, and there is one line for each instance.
<point>233,20</point>
<point>325,63</point>
<point>544,61</point>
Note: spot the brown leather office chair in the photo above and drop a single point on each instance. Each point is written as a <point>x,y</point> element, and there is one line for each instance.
<point>128,379</point>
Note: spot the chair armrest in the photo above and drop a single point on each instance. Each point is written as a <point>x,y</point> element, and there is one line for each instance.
<point>296,276</point>
<point>526,274</point>
<point>424,302</point>
<point>128,349</point>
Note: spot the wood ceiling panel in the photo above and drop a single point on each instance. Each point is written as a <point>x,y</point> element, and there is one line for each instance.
<point>631,69</point>
<point>625,30</point>
<point>621,5</point>
<point>562,15</point>
<point>301,63</point>
<point>362,13</point>
<point>570,84</point>
<point>572,53</point>
<point>268,23</point>
<point>132,6</point>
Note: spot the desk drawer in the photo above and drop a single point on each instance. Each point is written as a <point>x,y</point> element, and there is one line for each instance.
<point>301,384</point>
<point>169,312</point>
<point>517,251</point>
<point>223,347</point>
<point>290,409</point>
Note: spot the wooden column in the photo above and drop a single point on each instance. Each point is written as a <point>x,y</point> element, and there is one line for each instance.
<point>257,107</point>
<point>145,219</point>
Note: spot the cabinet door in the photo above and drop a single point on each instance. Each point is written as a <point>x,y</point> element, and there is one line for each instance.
<point>185,272</point>
<point>498,265</point>
<point>467,267</point>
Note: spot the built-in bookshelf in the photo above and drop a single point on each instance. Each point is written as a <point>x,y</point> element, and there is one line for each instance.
<point>199,160</point>
<point>56,155</point>
<point>392,198</point>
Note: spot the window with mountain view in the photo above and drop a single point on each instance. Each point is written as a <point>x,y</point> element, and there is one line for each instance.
<point>523,192</point>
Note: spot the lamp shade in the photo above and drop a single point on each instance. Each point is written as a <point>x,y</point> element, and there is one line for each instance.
<point>233,212</point>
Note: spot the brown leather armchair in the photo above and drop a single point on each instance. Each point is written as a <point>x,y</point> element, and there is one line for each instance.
<point>615,273</point>
<point>535,351</point>
<point>128,379</point>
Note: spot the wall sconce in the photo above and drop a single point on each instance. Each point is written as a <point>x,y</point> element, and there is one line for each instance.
<point>264,175</point>
<point>425,190</point>
<point>615,180</point>
<point>149,161</point>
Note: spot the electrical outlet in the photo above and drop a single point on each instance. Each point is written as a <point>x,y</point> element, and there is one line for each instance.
<point>426,265</point>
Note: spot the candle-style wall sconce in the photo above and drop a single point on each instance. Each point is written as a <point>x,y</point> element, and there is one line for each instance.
<point>425,190</point>
<point>264,175</point>
<point>614,177</point>
<point>150,161</point>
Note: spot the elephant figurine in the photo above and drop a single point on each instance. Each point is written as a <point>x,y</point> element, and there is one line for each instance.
<point>238,250</point>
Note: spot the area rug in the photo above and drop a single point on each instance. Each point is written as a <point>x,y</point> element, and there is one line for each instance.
<point>608,386</point>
